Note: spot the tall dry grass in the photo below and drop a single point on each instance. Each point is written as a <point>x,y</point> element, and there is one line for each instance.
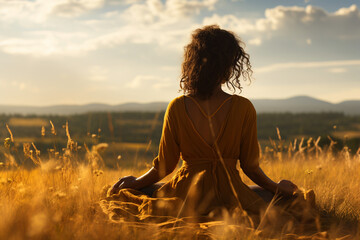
<point>59,198</point>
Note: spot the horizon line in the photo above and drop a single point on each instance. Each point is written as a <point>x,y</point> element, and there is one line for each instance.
<point>149,102</point>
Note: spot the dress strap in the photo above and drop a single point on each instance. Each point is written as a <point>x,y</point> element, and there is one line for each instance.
<point>203,112</point>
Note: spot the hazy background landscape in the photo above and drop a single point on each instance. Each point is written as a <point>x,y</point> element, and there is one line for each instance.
<point>300,104</point>
<point>132,129</point>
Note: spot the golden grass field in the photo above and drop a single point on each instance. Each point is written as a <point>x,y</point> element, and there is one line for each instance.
<point>59,199</point>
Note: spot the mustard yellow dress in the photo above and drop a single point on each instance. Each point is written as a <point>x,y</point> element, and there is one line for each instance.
<point>208,179</point>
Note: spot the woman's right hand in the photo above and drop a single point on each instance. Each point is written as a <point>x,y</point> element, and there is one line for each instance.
<point>125,182</point>
<point>286,187</point>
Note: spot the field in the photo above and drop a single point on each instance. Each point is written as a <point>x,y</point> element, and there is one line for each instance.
<point>58,196</point>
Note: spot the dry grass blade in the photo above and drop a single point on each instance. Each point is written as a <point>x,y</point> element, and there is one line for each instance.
<point>43,131</point>
<point>278,133</point>
<point>53,130</point>
<point>9,130</point>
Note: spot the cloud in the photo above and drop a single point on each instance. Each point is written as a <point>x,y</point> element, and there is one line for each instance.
<point>155,11</point>
<point>154,82</point>
<point>314,21</point>
<point>44,43</point>
<point>124,1</point>
<point>255,41</point>
<point>167,24</point>
<point>296,24</point>
<point>39,11</point>
<point>337,70</point>
<point>297,65</point>
<point>47,43</point>
<point>68,8</point>
<point>239,25</point>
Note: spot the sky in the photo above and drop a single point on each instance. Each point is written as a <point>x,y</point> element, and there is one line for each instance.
<point>117,51</point>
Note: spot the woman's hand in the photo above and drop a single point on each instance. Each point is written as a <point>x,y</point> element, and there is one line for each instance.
<point>125,182</point>
<point>286,187</point>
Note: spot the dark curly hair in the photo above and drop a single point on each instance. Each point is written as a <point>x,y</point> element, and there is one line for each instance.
<point>213,56</point>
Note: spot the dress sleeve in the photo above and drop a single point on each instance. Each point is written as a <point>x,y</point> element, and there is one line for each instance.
<point>249,147</point>
<point>169,152</point>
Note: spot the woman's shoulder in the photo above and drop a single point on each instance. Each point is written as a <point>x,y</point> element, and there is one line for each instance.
<point>175,104</point>
<point>175,101</point>
<point>245,109</point>
<point>244,103</point>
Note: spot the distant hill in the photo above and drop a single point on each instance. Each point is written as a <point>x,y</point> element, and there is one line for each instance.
<point>294,105</point>
<point>299,104</point>
<point>79,109</point>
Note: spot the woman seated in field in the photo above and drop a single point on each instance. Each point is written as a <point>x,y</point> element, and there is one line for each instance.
<point>211,131</point>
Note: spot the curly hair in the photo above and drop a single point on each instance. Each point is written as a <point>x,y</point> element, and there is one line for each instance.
<point>213,56</point>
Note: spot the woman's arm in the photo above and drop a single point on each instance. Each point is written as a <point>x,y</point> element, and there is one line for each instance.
<point>164,163</point>
<point>285,187</point>
<point>249,158</point>
<point>150,177</point>
<point>259,177</point>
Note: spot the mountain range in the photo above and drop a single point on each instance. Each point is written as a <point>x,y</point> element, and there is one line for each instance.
<point>298,104</point>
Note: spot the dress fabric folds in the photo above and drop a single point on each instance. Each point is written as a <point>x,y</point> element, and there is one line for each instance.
<point>208,179</point>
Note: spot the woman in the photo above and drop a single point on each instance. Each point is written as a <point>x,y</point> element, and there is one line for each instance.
<point>210,130</point>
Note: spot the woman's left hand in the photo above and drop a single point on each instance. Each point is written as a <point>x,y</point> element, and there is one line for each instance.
<point>125,182</point>
<point>286,187</point>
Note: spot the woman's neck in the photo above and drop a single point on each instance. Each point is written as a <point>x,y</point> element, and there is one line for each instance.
<point>217,94</point>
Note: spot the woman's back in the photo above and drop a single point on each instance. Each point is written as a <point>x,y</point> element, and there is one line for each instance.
<point>208,116</point>
<point>234,128</point>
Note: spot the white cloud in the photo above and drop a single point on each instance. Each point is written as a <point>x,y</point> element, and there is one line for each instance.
<point>38,11</point>
<point>337,70</point>
<point>155,11</point>
<point>255,41</point>
<point>71,8</point>
<point>296,23</point>
<point>231,22</point>
<point>44,43</point>
<point>297,65</point>
<point>171,24</point>
<point>155,82</point>
<point>28,46</point>
<point>172,39</point>
<point>125,1</point>
<point>167,24</point>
